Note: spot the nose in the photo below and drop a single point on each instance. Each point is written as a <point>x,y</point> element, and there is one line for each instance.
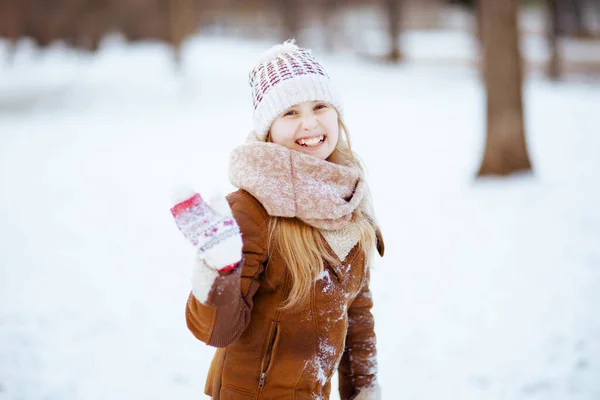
<point>309,122</point>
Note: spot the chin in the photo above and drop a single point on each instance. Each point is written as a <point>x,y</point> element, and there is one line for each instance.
<point>317,155</point>
<point>322,153</point>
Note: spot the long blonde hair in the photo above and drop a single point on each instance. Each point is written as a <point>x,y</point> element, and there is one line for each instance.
<point>301,245</point>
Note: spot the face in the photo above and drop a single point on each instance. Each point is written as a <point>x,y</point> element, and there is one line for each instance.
<point>310,127</point>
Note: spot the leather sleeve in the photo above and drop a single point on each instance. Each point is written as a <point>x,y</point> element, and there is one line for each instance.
<point>358,366</point>
<point>224,316</point>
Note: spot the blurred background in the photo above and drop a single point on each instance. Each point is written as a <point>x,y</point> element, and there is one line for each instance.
<point>479,124</point>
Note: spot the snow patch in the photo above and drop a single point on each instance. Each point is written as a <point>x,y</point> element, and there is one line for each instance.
<point>325,276</point>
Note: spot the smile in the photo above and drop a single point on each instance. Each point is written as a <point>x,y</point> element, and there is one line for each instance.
<point>311,142</point>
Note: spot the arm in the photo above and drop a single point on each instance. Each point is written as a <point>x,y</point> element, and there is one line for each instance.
<point>218,309</point>
<point>358,366</point>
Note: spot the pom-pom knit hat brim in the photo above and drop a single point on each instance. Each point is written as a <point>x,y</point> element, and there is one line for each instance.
<point>287,75</point>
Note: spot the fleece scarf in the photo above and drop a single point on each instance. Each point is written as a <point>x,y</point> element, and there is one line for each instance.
<point>289,183</point>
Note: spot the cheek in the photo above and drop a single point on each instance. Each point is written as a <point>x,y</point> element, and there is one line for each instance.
<point>330,121</point>
<point>334,136</point>
<point>282,132</point>
<point>333,127</point>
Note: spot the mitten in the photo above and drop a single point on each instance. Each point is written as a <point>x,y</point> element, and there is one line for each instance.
<point>211,229</point>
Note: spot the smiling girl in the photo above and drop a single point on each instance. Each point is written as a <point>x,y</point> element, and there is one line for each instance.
<point>280,283</point>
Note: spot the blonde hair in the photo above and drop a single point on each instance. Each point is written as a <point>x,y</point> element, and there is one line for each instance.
<point>301,245</point>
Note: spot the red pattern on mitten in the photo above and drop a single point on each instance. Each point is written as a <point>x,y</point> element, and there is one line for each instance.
<point>205,228</point>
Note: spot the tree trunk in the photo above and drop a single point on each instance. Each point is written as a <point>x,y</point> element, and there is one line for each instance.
<point>505,150</point>
<point>182,23</point>
<point>581,28</point>
<point>393,9</point>
<point>553,33</point>
<point>290,15</point>
<point>330,8</point>
<point>478,25</point>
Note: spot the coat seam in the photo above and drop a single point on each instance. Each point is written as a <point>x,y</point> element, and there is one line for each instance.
<point>316,319</point>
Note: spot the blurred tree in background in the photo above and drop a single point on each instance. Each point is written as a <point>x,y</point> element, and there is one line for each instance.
<point>182,23</point>
<point>394,17</point>
<point>553,32</point>
<point>505,150</point>
<point>83,23</point>
<point>334,24</point>
<point>291,17</point>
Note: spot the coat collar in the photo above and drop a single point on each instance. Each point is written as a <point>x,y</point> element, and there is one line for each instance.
<point>340,267</point>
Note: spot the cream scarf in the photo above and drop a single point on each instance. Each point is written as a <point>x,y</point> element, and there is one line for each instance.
<point>289,183</point>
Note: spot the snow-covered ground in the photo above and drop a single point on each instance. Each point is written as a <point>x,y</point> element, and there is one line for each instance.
<point>489,289</point>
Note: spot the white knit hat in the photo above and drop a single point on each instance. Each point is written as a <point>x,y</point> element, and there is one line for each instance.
<point>287,75</point>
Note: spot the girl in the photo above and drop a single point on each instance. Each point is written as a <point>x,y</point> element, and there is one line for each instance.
<point>281,280</point>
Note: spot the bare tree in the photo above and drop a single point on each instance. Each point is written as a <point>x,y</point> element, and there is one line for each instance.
<point>330,8</point>
<point>505,150</point>
<point>11,17</point>
<point>393,9</point>
<point>553,33</point>
<point>290,15</point>
<point>182,23</point>
<point>580,25</point>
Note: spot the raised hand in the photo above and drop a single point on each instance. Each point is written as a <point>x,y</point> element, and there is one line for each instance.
<point>211,229</point>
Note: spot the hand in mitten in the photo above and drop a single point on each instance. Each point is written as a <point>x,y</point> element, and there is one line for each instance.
<point>211,229</point>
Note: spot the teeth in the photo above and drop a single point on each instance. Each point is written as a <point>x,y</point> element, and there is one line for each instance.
<point>312,141</point>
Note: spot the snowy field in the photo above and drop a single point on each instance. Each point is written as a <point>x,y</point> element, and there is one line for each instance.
<point>489,290</point>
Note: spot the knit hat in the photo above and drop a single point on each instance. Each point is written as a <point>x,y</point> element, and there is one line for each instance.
<point>287,75</point>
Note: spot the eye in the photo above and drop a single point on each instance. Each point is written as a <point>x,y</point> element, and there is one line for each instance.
<point>289,112</point>
<point>320,106</point>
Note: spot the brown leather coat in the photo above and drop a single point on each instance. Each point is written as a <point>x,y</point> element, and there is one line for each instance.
<point>265,353</point>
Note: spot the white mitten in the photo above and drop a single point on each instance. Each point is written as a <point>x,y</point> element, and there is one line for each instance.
<point>211,229</point>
